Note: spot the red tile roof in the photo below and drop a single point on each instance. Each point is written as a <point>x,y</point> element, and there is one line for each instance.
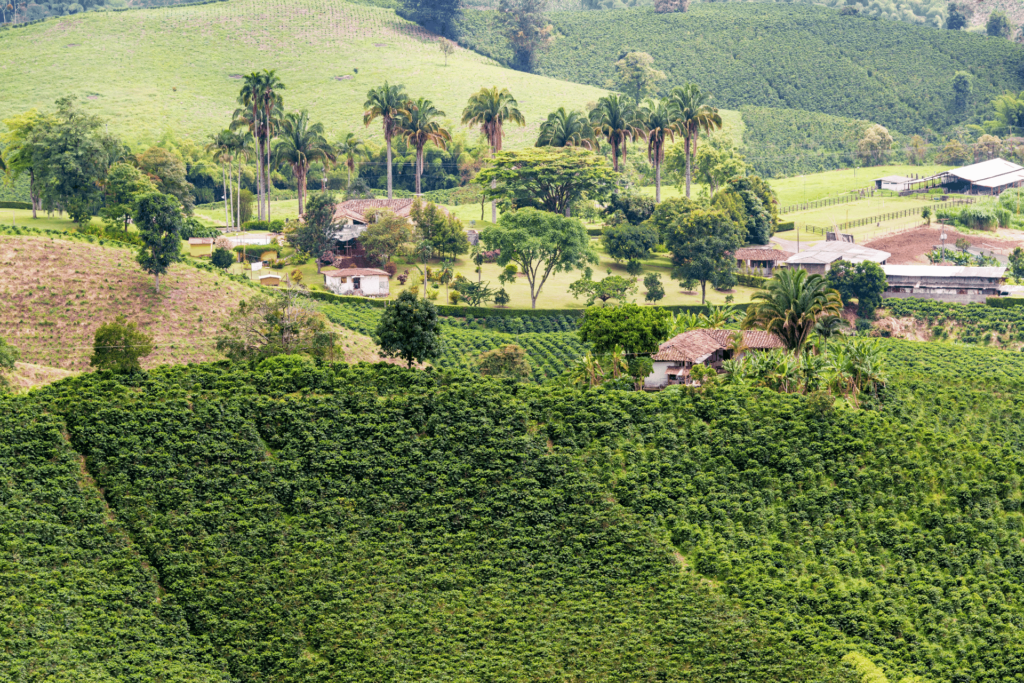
<point>355,272</point>
<point>695,345</point>
<point>761,254</point>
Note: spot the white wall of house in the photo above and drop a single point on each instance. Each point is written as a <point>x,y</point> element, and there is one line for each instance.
<point>659,376</point>
<point>371,285</point>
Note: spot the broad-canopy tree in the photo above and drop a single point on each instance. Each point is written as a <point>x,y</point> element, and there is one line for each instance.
<point>746,208</point>
<point>285,324</point>
<point>540,243</point>
<point>438,16</point>
<point>702,245</point>
<point>636,329</point>
<point>385,234</point>
<point>637,76</point>
<point>527,29</point>
<point>314,233</point>
<point>119,345</point>
<point>390,104</point>
<point>628,242</point>
<point>158,218</point>
<point>166,171</point>
<point>791,305</point>
<point>16,153</point>
<point>547,178</point>
<point>864,282</point>
<point>610,287</point>
<point>122,186</point>
<point>408,329</point>
<point>491,109</point>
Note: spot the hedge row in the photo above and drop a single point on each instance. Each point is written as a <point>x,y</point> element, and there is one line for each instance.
<point>750,280</point>
<point>16,205</point>
<point>1004,301</point>
<point>786,227</point>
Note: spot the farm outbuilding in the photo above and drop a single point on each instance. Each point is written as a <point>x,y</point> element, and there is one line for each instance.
<point>760,259</point>
<point>987,177</point>
<point>199,247</point>
<point>676,357</point>
<point>955,284</point>
<point>371,282</point>
<point>896,183</point>
<point>270,280</point>
<point>818,258</point>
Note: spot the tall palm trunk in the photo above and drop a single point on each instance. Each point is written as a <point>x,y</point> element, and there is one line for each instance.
<point>688,155</point>
<point>419,168</point>
<point>388,137</point>
<point>238,195</point>
<point>226,220</point>
<point>657,175</point>
<point>615,155</point>
<point>259,178</point>
<point>267,194</point>
<point>230,197</point>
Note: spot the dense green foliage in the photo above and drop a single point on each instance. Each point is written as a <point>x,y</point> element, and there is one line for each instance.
<point>972,323</point>
<point>373,523</point>
<point>785,142</point>
<point>784,56</point>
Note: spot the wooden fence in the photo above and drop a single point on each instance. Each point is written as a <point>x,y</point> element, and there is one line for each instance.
<point>893,215</point>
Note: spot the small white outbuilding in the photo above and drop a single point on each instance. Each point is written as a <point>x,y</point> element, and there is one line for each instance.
<point>372,282</point>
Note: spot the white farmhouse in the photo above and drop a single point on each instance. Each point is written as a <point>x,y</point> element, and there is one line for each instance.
<point>372,282</point>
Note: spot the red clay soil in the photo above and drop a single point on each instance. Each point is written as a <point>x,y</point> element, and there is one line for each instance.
<point>908,248</point>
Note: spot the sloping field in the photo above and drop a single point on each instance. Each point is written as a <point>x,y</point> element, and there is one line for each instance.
<point>180,68</point>
<point>54,294</point>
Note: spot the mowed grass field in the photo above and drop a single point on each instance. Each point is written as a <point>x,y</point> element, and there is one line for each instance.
<point>55,293</point>
<point>179,68</point>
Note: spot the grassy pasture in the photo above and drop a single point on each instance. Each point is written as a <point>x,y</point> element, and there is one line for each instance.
<point>179,68</point>
<point>808,188</point>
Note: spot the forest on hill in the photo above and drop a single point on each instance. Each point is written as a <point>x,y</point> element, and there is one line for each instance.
<point>786,56</point>
<point>375,523</point>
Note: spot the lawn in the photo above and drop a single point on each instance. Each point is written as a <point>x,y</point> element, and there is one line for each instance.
<point>142,70</point>
<point>808,188</point>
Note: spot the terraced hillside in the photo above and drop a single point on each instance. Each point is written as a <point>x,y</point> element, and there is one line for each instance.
<point>178,68</point>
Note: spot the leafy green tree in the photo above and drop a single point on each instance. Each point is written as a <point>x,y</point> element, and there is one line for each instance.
<point>450,239</point>
<point>957,15</point>
<point>525,26</point>
<point>501,298</point>
<point>998,25</point>
<point>166,170</point>
<point>285,324</point>
<point>1017,263</point>
<point>158,218</point>
<point>744,206</point>
<point>419,127</point>
<point>566,129</point>
<point>300,145</point>
<point>491,109</point>
<point>963,90</point>
<point>70,159</point>
<point>610,287</point>
<point>408,329</point>
<point>655,290</point>
<point>437,15</point>
<point>119,345</point>
<point>314,234</point>
<point>222,258</point>
<point>626,242</point>
<point>636,329</point>
<point>123,185</point>
<point>694,115</point>
<point>540,243</point>
<point>702,244</point>
<point>864,282</point>
<point>17,150</point>
<point>714,163</point>
<point>350,148</point>
<point>475,293</point>
<point>876,144</point>
<point>636,75</point>
<point>791,305</point>
<point>391,105</point>
<point>635,208</point>
<point>385,234</point>
<point>8,357</point>
<point>505,361</point>
<point>615,119</point>
<point>546,178</point>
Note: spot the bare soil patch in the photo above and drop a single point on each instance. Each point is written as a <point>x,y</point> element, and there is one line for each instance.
<point>909,248</point>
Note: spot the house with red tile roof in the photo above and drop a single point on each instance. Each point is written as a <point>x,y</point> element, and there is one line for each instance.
<point>676,357</point>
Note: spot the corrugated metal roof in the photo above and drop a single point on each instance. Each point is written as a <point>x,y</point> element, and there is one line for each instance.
<point>355,272</point>
<point>895,179</point>
<point>827,252</point>
<point>1000,180</point>
<point>984,170</point>
<point>945,271</point>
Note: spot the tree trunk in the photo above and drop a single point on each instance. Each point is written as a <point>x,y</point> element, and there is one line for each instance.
<point>703,291</point>
<point>268,166</point>
<point>32,191</point>
<point>259,179</point>
<point>495,144</point>
<point>238,196</point>
<point>158,283</point>
<point>687,143</point>
<point>225,198</point>
<point>419,169</point>
<point>657,180</point>
<point>615,156</point>
<point>230,198</point>
<point>389,166</point>
<point>301,179</point>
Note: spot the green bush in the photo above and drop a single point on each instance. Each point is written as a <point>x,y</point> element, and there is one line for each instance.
<point>786,227</point>
<point>16,205</point>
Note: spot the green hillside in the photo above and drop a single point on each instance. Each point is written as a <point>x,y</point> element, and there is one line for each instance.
<point>376,524</point>
<point>782,56</point>
<point>150,71</point>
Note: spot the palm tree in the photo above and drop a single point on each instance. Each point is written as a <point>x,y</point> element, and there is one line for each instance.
<point>614,119</point>
<point>300,145</point>
<point>239,144</point>
<point>659,126</point>
<point>694,115</point>
<point>270,100</point>
<point>250,97</point>
<point>491,109</point>
<point>566,129</point>
<point>419,128</point>
<point>350,147</point>
<point>445,275</point>
<point>390,104</point>
<point>790,306</point>
<point>219,148</point>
